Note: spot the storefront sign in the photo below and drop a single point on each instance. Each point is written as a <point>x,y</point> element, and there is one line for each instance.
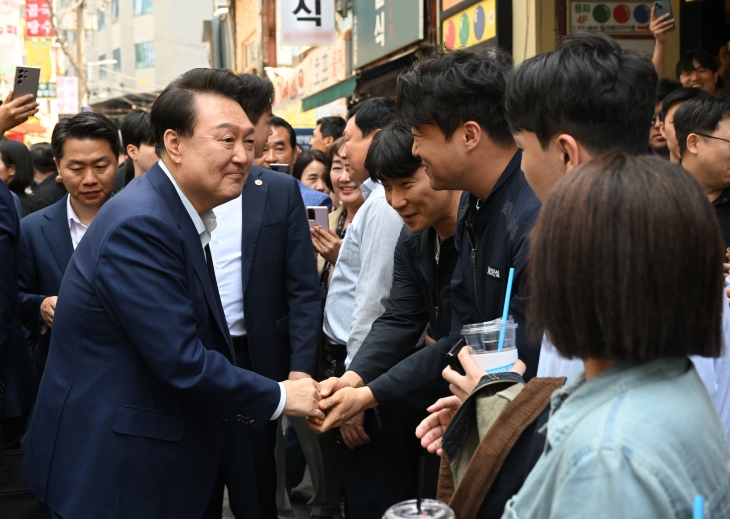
<point>611,17</point>
<point>307,22</point>
<point>37,19</point>
<point>38,52</point>
<point>67,89</point>
<point>473,25</point>
<point>374,32</point>
<point>47,90</point>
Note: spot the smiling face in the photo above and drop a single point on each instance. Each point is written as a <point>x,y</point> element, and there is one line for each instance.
<point>345,189</point>
<point>439,156</point>
<point>213,163</point>
<point>699,77</point>
<point>88,169</point>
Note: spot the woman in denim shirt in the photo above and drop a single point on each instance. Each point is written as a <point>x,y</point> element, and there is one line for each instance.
<point>626,274</point>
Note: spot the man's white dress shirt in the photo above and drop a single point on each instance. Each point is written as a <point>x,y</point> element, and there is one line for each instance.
<point>205,225</point>
<point>75,226</point>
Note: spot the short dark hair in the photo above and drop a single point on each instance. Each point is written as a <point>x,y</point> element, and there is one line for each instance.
<point>699,115</point>
<point>305,158</point>
<point>84,125</point>
<point>136,129</point>
<point>332,126</point>
<point>175,108</point>
<point>258,96</point>
<point>41,155</point>
<point>588,87</point>
<point>333,150</point>
<point>373,114</point>
<point>679,96</point>
<point>14,153</point>
<point>664,88</point>
<point>616,241</point>
<point>704,58</point>
<point>390,154</point>
<point>449,88</point>
<point>278,122</point>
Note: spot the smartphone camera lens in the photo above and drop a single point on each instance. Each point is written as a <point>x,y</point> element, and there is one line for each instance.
<point>310,214</point>
<point>20,81</point>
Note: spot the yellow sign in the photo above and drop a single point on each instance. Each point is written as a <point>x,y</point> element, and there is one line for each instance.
<point>473,25</point>
<point>39,55</point>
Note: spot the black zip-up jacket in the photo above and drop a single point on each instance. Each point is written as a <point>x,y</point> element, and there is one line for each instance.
<point>387,361</point>
<point>489,241</point>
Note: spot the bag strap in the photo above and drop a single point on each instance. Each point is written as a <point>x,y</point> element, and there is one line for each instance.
<point>496,444</point>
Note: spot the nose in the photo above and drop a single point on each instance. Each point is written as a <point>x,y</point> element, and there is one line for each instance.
<point>320,186</point>
<point>240,157</point>
<point>270,157</point>
<point>90,177</point>
<point>397,200</point>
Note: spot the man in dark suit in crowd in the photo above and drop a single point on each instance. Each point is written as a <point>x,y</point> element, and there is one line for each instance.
<point>86,149</point>
<point>140,383</point>
<point>267,278</point>
<point>50,189</point>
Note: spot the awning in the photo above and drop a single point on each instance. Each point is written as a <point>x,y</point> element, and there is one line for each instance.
<point>343,89</point>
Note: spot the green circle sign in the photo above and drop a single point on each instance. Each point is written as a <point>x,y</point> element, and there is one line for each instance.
<point>601,13</point>
<point>464,29</point>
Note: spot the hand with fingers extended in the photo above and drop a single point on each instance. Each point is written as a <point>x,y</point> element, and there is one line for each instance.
<point>302,398</point>
<point>353,432</point>
<point>431,430</point>
<point>327,243</point>
<point>16,111</point>
<point>463,385</point>
<point>343,405</point>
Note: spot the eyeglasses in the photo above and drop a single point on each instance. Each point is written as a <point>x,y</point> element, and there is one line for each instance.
<point>712,137</point>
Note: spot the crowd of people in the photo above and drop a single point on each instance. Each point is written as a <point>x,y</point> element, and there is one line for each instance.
<point>160,318</point>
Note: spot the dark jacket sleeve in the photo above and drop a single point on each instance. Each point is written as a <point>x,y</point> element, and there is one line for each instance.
<point>394,334</point>
<point>28,289</point>
<point>460,303</point>
<point>304,296</point>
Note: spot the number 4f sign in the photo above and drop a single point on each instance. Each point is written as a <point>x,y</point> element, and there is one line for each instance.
<point>307,22</point>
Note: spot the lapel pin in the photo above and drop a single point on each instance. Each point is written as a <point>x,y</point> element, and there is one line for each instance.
<point>258,182</point>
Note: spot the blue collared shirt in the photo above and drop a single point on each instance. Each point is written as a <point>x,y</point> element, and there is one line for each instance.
<point>635,441</point>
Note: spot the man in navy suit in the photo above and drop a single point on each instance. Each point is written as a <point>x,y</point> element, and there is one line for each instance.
<point>267,277</point>
<point>140,383</point>
<point>86,151</point>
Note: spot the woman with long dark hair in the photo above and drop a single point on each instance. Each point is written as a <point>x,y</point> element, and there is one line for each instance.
<point>16,170</point>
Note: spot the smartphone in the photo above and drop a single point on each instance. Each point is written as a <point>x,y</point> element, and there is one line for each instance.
<point>281,168</point>
<point>663,7</point>
<point>318,215</point>
<point>453,359</point>
<point>26,82</point>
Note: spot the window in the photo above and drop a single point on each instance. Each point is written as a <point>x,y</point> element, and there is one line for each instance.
<point>102,67</point>
<point>101,23</point>
<point>142,7</point>
<point>115,10</point>
<point>145,53</point>
<point>117,55</point>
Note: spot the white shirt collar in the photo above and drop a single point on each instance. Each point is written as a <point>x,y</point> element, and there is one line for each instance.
<point>368,187</point>
<point>71,214</point>
<point>204,224</point>
<point>75,227</point>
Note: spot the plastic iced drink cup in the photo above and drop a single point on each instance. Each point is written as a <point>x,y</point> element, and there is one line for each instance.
<point>429,509</point>
<point>483,338</point>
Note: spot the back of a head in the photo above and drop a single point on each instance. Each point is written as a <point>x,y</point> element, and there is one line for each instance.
<point>373,114</point>
<point>589,88</point>
<point>83,126</point>
<point>450,88</point>
<point>680,95</point>
<point>41,155</point>
<point>615,242</point>
<point>686,63</point>
<point>305,158</point>
<point>278,122</point>
<point>14,153</point>
<point>258,96</point>
<point>701,114</point>
<point>332,126</point>
<point>175,107</point>
<point>664,88</point>
<point>390,154</point>
<point>136,129</point>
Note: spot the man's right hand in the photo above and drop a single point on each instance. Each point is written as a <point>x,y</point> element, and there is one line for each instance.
<point>48,310</point>
<point>16,111</point>
<point>302,398</point>
<point>660,26</point>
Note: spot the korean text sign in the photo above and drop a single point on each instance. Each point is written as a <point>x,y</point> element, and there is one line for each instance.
<point>37,19</point>
<point>381,27</point>
<point>307,22</point>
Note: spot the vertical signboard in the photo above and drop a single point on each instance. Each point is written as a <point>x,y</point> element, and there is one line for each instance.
<point>374,31</point>
<point>67,92</point>
<point>307,22</point>
<point>38,52</point>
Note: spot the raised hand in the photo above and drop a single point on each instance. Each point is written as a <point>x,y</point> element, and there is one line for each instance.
<point>431,430</point>
<point>16,111</point>
<point>302,398</point>
<point>343,405</point>
<point>462,386</point>
<point>660,26</point>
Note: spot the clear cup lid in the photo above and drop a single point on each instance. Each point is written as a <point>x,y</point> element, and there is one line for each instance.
<point>488,326</point>
<point>429,509</point>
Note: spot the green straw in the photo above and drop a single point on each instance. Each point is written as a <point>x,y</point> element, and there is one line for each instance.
<point>503,330</point>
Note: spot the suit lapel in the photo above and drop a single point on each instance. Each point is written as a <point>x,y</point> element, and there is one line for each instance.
<point>253,199</point>
<point>58,235</point>
<point>159,180</point>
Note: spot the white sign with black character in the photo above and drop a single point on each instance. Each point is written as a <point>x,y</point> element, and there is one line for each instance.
<point>307,22</point>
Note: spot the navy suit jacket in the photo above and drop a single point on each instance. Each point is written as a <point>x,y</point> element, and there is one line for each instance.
<point>282,301</point>
<point>45,250</point>
<point>17,381</point>
<point>140,382</point>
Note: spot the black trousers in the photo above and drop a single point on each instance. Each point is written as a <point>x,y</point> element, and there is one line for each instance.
<point>384,471</point>
<point>248,466</point>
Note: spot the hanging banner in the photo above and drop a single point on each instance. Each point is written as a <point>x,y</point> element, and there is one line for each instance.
<point>475,24</point>
<point>381,27</point>
<point>8,6</point>
<point>38,52</point>
<point>67,92</point>
<point>37,19</point>
<point>611,17</point>
<point>306,23</point>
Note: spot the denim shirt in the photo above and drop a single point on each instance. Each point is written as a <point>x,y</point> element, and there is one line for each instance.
<point>637,440</point>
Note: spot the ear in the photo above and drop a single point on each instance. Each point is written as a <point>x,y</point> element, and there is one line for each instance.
<point>570,151</point>
<point>11,172</point>
<point>329,140</point>
<point>693,141</point>
<point>172,145</point>
<point>472,134</point>
<point>132,151</point>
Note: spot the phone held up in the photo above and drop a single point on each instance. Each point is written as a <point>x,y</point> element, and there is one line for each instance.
<point>318,215</point>
<point>26,82</point>
<point>663,7</point>
<point>281,168</point>
<point>453,359</point>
